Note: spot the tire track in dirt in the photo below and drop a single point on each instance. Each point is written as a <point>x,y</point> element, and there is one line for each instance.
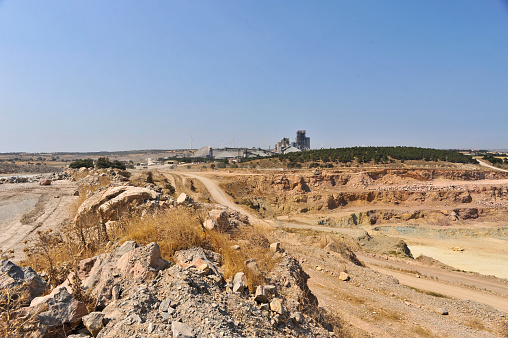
<point>33,208</point>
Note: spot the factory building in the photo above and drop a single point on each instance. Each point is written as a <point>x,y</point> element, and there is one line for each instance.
<point>231,153</point>
<point>302,142</point>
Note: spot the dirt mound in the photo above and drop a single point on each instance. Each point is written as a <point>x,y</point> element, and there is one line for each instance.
<point>359,181</point>
<point>386,245</point>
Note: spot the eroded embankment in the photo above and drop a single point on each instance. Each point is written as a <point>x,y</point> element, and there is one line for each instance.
<point>420,201</point>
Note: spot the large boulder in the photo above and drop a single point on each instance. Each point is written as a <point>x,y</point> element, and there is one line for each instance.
<point>94,322</point>
<point>45,181</point>
<point>181,330</point>
<point>184,199</point>
<point>21,279</point>
<point>102,274</point>
<point>217,220</point>
<point>239,282</point>
<point>57,312</point>
<point>113,199</point>
<point>142,262</point>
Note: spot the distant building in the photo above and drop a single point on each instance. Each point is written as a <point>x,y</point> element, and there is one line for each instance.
<point>302,142</point>
<point>279,146</point>
<point>231,153</point>
<point>290,150</point>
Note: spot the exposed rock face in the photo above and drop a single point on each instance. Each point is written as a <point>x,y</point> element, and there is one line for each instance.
<point>23,279</point>
<point>102,273</point>
<point>469,213</point>
<point>113,199</point>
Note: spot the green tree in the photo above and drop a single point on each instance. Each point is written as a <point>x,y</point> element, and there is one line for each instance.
<point>87,163</point>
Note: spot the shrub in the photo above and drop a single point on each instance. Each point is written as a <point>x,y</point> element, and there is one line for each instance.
<point>104,162</point>
<point>87,163</point>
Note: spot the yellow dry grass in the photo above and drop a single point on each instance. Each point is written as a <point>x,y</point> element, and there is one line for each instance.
<point>13,322</point>
<point>181,228</point>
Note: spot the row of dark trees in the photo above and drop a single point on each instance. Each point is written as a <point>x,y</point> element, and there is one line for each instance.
<point>377,155</point>
<point>101,163</point>
<point>495,160</point>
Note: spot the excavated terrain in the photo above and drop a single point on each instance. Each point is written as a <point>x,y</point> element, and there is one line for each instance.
<point>385,253</point>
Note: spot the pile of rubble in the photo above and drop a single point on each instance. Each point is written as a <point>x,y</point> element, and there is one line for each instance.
<point>45,179</point>
<point>136,292</point>
<point>422,187</point>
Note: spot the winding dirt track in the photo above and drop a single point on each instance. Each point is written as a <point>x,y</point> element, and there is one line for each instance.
<point>220,196</point>
<point>497,295</point>
<point>491,166</point>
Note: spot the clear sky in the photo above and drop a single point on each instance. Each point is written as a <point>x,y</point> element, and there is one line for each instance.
<point>119,75</point>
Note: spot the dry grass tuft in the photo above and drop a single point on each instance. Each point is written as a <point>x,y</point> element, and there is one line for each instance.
<point>476,324</point>
<point>13,321</point>
<point>173,230</point>
<point>46,253</point>
<point>180,229</point>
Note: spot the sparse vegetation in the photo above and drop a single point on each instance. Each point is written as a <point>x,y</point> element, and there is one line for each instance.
<point>430,293</point>
<point>13,323</point>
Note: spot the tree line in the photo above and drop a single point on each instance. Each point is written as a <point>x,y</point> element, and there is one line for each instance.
<point>376,155</point>
<point>101,163</point>
<point>495,160</point>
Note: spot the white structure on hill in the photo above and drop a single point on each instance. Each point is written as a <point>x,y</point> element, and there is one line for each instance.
<point>231,153</point>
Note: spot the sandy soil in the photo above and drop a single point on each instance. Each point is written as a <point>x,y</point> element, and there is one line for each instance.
<point>488,256</point>
<point>27,207</point>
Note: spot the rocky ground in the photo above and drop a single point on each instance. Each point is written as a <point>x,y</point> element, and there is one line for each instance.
<point>9,168</point>
<point>136,293</point>
<point>327,279</point>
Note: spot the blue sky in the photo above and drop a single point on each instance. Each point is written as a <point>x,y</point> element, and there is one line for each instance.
<point>118,75</point>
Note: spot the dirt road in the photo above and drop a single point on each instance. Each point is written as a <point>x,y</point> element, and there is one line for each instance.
<point>500,303</point>
<point>491,166</point>
<point>220,196</point>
